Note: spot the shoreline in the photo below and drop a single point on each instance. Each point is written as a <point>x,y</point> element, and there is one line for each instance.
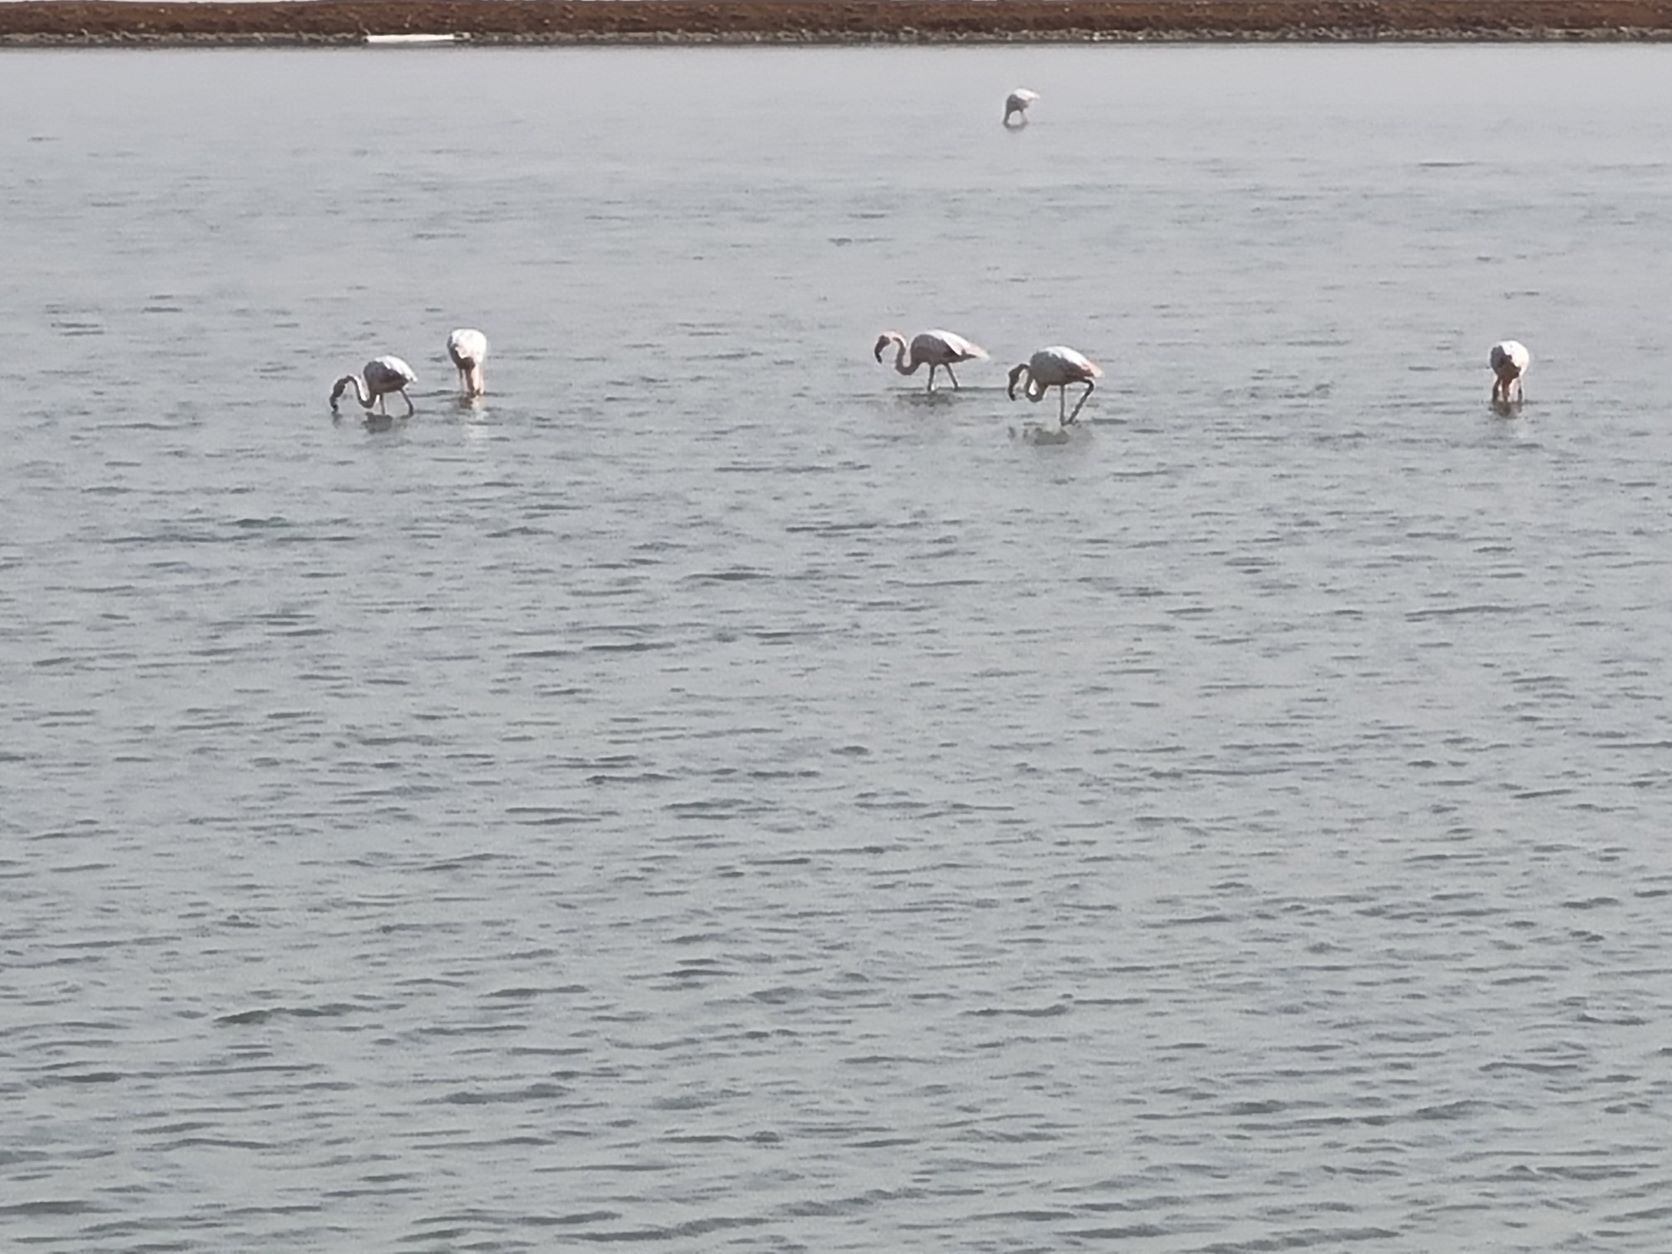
<point>512,23</point>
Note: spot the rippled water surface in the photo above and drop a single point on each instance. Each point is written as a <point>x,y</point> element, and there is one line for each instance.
<point>711,796</point>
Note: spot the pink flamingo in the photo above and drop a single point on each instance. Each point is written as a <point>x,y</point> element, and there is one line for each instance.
<point>1056,367</point>
<point>939,350</point>
<point>1510,360</point>
<point>468,349</point>
<point>383,375</point>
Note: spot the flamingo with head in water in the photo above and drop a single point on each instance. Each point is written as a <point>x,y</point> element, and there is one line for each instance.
<point>1017,102</point>
<point>383,376</point>
<point>468,349</point>
<point>1510,360</point>
<point>1056,367</point>
<point>938,350</point>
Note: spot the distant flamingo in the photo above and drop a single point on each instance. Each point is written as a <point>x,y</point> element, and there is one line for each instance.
<point>1510,360</point>
<point>468,349</point>
<point>939,350</point>
<point>1018,102</point>
<point>383,375</point>
<point>1056,367</point>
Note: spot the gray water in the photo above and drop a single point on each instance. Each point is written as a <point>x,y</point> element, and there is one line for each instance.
<point>710,796</point>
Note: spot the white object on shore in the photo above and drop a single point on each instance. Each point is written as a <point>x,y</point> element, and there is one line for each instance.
<point>388,40</point>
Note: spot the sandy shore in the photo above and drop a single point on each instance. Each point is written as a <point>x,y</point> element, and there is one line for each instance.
<point>73,22</point>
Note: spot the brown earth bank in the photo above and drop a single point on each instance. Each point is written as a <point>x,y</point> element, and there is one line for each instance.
<point>106,22</point>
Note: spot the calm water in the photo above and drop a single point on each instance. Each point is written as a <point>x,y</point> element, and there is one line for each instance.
<point>710,797</point>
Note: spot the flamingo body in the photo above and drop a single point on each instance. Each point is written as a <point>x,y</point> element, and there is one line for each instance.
<point>383,375</point>
<point>468,349</point>
<point>1017,102</point>
<point>1056,367</point>
<point>1510,360</point>
<point>939,350</point>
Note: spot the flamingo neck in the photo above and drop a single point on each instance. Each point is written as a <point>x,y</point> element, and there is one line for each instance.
<point>362,393</point>
<point>900,357</point>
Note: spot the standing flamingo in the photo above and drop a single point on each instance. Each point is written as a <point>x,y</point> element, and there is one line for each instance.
<point>1018,102</point>
<point>1510,360</point>
<point>937,349</point>
<point>383,375</point>
<point>468,349</point>
<point>1056,367</point>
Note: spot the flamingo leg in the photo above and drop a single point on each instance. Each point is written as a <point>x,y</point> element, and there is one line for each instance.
<point>952,376</point>
<point>409,409</point>
<point>1089,386</point>
<point>932,369</point>
<point>380,406</point>
<point>1062,404</point>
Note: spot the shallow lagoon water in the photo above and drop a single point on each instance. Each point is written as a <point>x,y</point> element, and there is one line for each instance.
<point>710,796</point>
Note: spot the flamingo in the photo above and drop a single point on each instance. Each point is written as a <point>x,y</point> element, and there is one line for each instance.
<point>938,349</point>
<point>1018,102</point>
<point>1056,367</point>
<point>383,375</point>
<point>1510,360</point>
<point>468,349</point>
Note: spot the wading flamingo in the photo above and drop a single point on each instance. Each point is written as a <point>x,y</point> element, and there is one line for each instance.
<point>1056,367</point>
<point>1018,102</point>
<point>383,375</point>
<point>1510,360</point>
<point>468,349</point>
<point>936,349</point>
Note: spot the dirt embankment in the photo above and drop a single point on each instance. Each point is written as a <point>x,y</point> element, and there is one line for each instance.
<point>102,22</point>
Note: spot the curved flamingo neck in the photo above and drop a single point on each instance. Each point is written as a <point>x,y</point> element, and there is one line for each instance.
<point>362,392</point>
<point>900,356</point>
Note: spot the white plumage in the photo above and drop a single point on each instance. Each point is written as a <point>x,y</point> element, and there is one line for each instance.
<point>383,375</point>
<point>1510,360</point>
<point>1056,367</point>
<point>468,349</point>
<point>1017,102</point>
<point>939,350</point>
